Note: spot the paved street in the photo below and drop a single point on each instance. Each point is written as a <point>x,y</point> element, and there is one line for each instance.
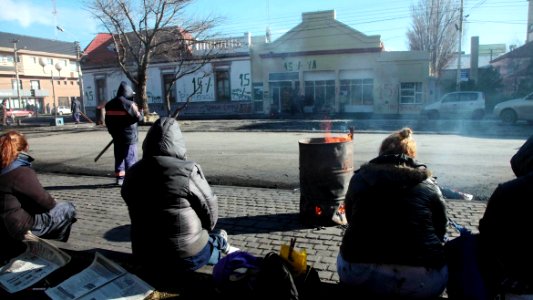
<point>257,220</point>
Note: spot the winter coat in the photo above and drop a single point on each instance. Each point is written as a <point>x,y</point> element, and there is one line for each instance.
<point>507,224</point>
<point>396,215</point>
<point>122,116</point>
<point>171,205</point>
<point>21,197</point>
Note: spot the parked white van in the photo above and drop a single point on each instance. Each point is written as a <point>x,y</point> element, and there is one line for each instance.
<point>468,104</point>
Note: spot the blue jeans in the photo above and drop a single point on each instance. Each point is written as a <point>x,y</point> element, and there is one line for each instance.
<point>56,223</point>
<point>210,254</point>
<point>386,280</point>
<point>125,157</point>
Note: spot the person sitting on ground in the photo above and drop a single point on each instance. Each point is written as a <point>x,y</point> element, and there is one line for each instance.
<point>393,247</point>
<point>25,204</point>
<point>505,229</point>
<point>172,208</point>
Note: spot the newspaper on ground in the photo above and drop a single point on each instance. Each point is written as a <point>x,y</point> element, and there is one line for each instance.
<point>38,260</point>
<point>103,279</point>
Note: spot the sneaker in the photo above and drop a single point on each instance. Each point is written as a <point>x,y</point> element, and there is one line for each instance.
<point>224,235</point>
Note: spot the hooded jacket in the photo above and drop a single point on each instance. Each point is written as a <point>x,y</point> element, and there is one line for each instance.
<point>122,116</point>
<point>171,205</point>
<point>396,215</point>
<point>21,197</point>
<point>507,224</point>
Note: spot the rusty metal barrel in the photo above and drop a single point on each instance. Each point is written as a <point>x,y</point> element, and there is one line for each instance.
<point>326,168</point>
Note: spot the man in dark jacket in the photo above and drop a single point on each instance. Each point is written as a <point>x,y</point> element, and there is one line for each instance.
<point>506,229</point>
<point>172,208</point>
<point>75,107</point>
<point>121,120</point>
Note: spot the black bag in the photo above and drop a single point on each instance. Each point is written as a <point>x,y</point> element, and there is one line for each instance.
<point>276,280</point>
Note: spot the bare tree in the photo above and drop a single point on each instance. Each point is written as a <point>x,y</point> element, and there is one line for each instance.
<point>154,31</point>
<point>434,29</point>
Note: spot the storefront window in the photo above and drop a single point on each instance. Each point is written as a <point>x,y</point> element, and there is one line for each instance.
<point>321,94</point>
<point>357,91</point>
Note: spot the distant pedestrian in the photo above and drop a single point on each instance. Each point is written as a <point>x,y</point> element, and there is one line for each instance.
<point>394,245</point>
<point>24,204</point>
<point>173,209</point>
<point>75,107</point>
<point>48,108</point>
<point>3,112</point>
<point>121,118</point>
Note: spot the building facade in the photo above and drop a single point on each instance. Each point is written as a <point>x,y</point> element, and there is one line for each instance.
<point>38,74</point>
<point>324,66</point>
<point>320,66</point>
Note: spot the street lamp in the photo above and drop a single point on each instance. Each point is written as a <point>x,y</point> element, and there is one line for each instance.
<point>58,67</point>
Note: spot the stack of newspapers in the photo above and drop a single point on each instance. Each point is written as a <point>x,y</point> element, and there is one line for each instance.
<point>103,279</point>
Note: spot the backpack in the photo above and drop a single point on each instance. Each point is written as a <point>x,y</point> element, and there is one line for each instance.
<point>244,276</point>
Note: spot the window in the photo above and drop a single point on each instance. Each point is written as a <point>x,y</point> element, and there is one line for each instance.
<point>223,86</point>
<point>35,84</point>
<point>357,91</point>
<point>14,84</point>
<point>167,81</point>
<point>411,93</point>
<point>320,93</point>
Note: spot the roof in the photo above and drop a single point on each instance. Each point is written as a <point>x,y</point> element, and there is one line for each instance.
<point>99,52</point>
<point>523,51</point>
<point>37,44</point>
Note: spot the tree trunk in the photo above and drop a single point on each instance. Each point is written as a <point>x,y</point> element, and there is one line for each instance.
<point>141,91</point>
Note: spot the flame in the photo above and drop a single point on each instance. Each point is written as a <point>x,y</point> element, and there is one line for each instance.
<point>326,126</point>
<point>318,210</point>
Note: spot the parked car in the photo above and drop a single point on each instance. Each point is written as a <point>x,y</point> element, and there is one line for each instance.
<point>468,104</point>
<point>17,113</point>
<point>62,110</point>
<point>513,110</point>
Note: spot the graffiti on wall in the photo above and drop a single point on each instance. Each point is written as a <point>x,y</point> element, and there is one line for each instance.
<point>89,96</point>
<point>219,108</point>
<point>202,85</point>
<point>153,99</point>
<point>243,91</point>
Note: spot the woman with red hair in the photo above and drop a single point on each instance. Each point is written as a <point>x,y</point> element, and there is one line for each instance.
<point>25,205</point>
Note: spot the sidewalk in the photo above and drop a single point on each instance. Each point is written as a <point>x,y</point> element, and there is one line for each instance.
<point>257,220</point>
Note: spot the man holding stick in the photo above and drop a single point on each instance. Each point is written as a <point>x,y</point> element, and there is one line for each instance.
<point>122,116</point>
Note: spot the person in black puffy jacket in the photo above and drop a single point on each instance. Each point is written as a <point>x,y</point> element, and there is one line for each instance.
<point>172,208</point>
<point>121,118</point>
<point>393,246</point>
<point>505,229</point>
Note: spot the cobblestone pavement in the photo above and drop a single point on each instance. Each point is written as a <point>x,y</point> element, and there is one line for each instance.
<point>257,220</point>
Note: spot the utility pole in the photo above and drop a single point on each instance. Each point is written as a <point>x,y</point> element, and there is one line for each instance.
<point>15,50</point>
<point>460,29</point>
<point>80,80</point>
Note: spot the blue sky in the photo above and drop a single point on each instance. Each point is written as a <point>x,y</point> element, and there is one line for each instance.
<point>493,21</point>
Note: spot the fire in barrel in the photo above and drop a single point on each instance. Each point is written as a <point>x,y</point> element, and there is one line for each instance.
<point>326,167</point>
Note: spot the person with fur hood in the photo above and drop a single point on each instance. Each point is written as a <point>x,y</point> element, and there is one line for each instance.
<point>393,247</point>
<point>172,208</point>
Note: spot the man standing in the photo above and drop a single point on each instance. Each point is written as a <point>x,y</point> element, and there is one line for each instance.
<point>121,118</point>
<point>75,107</point>
<point>3,112</point>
